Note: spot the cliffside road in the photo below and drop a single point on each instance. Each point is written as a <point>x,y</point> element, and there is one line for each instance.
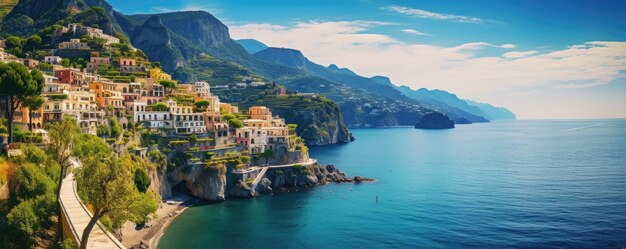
<point>77,215</point>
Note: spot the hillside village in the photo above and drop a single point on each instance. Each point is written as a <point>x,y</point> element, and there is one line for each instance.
<point>130,91</point>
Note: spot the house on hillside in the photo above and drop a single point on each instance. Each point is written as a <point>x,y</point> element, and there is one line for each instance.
<point>74,44</point>
<point>54,60</point>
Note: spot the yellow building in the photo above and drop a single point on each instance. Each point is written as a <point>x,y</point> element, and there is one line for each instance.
<point>157,74</point>
<point>228,108</point>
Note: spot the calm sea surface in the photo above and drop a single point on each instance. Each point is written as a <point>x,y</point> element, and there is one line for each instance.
<point>549,184</point>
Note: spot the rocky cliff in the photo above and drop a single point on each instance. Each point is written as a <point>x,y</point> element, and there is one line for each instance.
<point>204,183</point>
<point>153,36</point>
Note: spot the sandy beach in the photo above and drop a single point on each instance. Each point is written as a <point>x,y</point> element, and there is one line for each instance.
<point>150,234</point>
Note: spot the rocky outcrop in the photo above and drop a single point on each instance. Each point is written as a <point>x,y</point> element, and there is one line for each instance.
<point>208,184</point>
<point>320,124</point>
<point>434,120</point>
<point>311,175</point>
<point>241,190</point>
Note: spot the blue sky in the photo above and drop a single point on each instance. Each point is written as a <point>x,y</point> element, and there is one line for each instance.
<point>542,59</point>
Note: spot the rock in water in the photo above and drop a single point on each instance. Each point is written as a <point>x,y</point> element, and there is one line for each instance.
<point>435,120</point>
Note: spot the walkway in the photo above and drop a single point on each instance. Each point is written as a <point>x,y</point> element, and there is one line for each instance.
<point>265,168</point>
<point>77,215</point>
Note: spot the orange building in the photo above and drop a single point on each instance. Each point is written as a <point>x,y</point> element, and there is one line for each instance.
<point>21,117</point>
<point>107,94</point>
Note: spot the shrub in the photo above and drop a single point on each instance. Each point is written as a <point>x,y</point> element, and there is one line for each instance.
<point>24,223</point>
<point>34,154</point>
<point>32,182</point>
<point>142,180</point>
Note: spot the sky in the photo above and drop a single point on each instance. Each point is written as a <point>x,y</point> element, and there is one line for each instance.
<point>558,59</point>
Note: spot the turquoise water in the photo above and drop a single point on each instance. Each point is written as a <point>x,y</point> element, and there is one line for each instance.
<point>550,184</point>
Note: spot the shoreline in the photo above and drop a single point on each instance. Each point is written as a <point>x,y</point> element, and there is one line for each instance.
<point>166,213</point>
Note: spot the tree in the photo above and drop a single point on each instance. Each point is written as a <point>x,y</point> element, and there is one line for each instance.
<point>103,131</point>
<point>116,128</point>
<point>33,103</point>
<point>160,107</point>
<point>168,84</point>
<point>32,43</point>
<point>17,84</point>
<point>107,185</point>
<point>87,144</point>
<point>193,139</point>
<point>23,221</point>
<point>202,105</point>
<point>32,182</point>
<point>62,136</point>
<point>236,123</point>
<point>66,62</point>
<point>13,42</point>
<point>142,180</point>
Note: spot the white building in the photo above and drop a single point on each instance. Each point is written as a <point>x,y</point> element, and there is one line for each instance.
<point>202,88</point>
<point>154,119</point>
<point>53,59</point>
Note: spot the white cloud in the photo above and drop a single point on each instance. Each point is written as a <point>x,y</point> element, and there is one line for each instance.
<point>415,32</point>
<point>456,68</point>
<point>432,15</point>
<point>516,55</point>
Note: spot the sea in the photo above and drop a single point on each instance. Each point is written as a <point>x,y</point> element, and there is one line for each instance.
<point>505,184</point>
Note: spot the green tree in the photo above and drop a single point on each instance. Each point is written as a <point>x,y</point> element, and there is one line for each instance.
<point>168,84</point>
<point>116,128</point>
<point>17,84</point>
<point>202,105</point>
<point>86,145</point>
<point>107,185</point>
<point>32,181</point>
<point>142,180</point>
<point>103,131</point>
<point>193,139</point>
<point>160,107</point>
<point>24,223</point>
<point>236,123</point>
<point>32,43</point>
<point>33,103</point>
<point>66,62</point>
<point>45,66</point>
<point>14,42</point>
<point>34,154</point>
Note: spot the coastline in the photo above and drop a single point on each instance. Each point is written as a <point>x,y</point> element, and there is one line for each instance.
<point>166,213</point>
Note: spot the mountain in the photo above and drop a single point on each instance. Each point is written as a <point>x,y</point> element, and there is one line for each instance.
<point>251,45</point>
<point>295,59</point>
<point>493,112</point>
<point>377,85</point>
